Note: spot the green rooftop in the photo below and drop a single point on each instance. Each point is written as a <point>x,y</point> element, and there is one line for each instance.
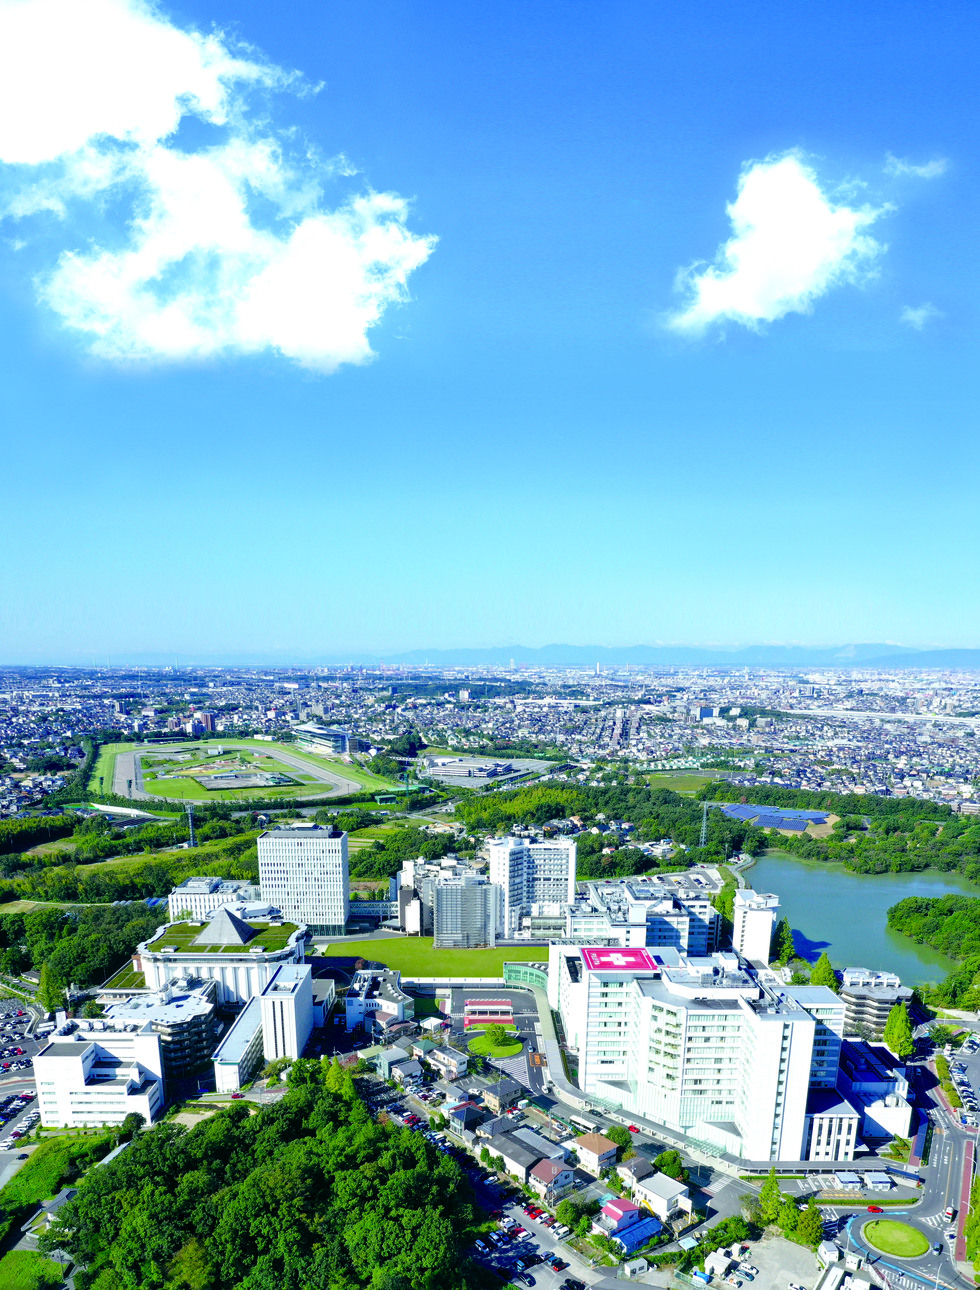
<point>127,978</point>
<point>183,938</point>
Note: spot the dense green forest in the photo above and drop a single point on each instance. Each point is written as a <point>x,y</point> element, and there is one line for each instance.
<point>83,945</point>
<point>656,813</point>
<point>306,1193</point>
<point>950,924</point>
<point>875,834</point>
<point>384,857</point>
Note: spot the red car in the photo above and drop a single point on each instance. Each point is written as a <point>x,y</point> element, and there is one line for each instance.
<point>517,1231</point>
<point>875,1209</point>
<point>633,1129</point>
<point>235,1095</point>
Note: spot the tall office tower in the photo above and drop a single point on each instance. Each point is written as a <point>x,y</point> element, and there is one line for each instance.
<point>754,920</point>
<point>303,873</point>
<point>465,912</point>
<point>533,877</point>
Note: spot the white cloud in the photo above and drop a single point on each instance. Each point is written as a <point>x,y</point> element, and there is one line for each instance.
<point>790,244</point>
<point>224,247</point>
<point>928,170</point>
<point>918,316</point>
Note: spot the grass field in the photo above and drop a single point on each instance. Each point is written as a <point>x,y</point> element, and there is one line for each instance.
<point>681,781</point>
<point>28,1270</point>
<point>414,956</point>
<point>480,1046</point>
<point>900,1239</point>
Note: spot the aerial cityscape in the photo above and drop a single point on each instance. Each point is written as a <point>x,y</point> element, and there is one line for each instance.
<point>489,679</point>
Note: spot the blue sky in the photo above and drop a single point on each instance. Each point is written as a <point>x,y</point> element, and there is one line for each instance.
<point>672,308</point>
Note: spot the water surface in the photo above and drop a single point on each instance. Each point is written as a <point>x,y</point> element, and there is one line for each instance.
<point>830,908</point>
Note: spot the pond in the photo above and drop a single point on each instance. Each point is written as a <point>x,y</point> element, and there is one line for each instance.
<point>830,908</point>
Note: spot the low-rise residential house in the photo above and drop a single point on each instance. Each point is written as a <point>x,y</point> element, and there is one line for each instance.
<point>518,1159</point>
<point>549,1178</point>
<point>626,1224</point>
<point>449,1062</point>
<point>422,1048</point>
<point>465,1117</point>
<point>406,1072</point>
<point>503,1095</point>
<point>632,1171</point>
<point>662,1195</point>
<point>595,1152</point>
<point>389,1058</point>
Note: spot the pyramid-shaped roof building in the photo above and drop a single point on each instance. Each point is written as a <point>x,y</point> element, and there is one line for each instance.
<point>225,928</point>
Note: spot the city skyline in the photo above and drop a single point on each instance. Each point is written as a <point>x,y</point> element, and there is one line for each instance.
<point>356,332</point>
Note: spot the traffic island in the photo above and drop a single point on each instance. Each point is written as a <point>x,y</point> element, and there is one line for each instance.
<point>899,1239</point>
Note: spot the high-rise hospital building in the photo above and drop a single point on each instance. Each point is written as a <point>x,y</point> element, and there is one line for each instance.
<point>708,1046</point>
<point>303,873</point>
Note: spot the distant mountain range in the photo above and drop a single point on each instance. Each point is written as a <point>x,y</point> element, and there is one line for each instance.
<point>578,656</point>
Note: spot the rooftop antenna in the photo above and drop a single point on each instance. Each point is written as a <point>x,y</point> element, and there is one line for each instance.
<point>189,808</point>
<point>704,826</point>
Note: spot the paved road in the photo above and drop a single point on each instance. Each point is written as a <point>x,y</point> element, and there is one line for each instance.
<point>128,768</point>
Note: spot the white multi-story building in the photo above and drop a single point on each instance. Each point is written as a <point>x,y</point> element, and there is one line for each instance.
<point>698,1043</point>
<point>536,878</point>
<point>200,897</point>
<point>241,957</point>
<point>287,1011</point>
<point>239,1054</point>
<point>97,1072</point>
<point>674,910</point>
<point>303,872</point>
<point>754,918</point>
<point>465,912</point>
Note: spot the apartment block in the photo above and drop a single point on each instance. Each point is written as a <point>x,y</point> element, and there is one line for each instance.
<point>534,878</point>
<point>286,1005</point>
<point>754,919</point>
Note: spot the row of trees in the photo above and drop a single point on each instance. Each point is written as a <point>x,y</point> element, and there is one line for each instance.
<point>774,1207</point>
<point>306,1192</point>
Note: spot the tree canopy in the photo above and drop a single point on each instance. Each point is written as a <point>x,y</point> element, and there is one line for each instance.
<point>898,1031</point>
<point>308,1192</point>
<point>824,974</point>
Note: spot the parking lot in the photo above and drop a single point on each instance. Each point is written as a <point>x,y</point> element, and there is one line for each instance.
<point>964,1067</point>
<point>17,1048</point>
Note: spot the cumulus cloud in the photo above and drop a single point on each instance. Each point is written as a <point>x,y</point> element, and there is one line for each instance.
<point>790,244</point>
<point>927,170</point>
<point>212,234</point>
<point>919,315</point>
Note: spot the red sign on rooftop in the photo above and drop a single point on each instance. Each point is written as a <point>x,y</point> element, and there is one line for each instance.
<point>617,959</point>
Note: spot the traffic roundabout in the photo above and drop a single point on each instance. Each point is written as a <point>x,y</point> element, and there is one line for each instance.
<point>900,1240</point>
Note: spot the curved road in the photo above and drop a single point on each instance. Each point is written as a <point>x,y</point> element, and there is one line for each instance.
<point>128,769</point>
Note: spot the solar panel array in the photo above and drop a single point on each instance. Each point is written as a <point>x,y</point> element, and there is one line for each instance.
<point>775,817</point>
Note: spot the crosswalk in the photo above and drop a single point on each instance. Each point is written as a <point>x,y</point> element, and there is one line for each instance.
<point>936,1220</point>
<point>515,1067</point>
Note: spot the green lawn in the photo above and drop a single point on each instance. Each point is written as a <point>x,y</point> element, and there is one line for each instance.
<point>480,1046</point>
<point>27,1270</point>
<point>681,781</point>
<point>891,1237</point>
<point>183,935</point>
<point>48,1168</point>
<point>127,978</point>
<point>414,956</point>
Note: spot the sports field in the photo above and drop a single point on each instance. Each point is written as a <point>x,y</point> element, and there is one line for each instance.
<point>681,781</point>
<point>414,956</point>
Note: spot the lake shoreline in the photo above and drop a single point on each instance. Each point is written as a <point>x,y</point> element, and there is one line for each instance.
<point>834,909</point>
